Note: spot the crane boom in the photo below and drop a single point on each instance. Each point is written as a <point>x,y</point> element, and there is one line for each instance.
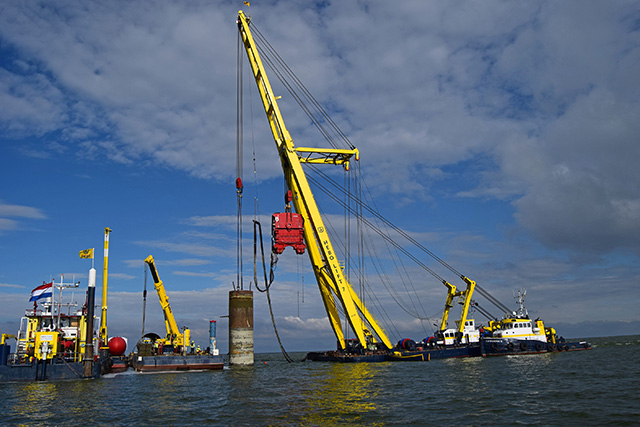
<point>331,281</point>
<point>451,294</point>
<point>174,336</point>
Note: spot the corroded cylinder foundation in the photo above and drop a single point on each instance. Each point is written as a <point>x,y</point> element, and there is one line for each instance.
<point>241,328</point>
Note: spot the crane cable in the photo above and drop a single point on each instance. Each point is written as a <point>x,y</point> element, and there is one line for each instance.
<point>144,298</point>
<point>281,70</point>
<point>257,229</point>
<point>239,188</point>
<point>239,166</point>
<point>388,238</point>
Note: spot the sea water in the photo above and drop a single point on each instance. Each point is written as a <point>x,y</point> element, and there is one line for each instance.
<point>596,387</point>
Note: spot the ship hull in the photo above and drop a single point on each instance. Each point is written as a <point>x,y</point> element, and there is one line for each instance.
<point>117,364</point>
<point>506,347</point>
<point>336,356</point>
<point>397,356</point>
<point>453,352</point>
<point>46,371</point>
<point>167,363</point>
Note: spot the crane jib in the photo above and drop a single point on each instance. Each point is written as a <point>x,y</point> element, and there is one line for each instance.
<point>320,250</point>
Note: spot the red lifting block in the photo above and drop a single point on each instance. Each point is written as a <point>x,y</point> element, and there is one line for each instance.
<point>287,230</point>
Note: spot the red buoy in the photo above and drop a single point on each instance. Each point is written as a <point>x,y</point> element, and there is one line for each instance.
<point>117,346</point>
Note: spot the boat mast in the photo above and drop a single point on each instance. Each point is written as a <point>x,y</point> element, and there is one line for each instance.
<point>105,269</point>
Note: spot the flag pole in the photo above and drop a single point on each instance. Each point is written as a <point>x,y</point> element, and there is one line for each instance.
<point>103,319</point>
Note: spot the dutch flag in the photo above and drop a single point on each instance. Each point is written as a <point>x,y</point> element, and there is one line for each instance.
<point>43,291</point>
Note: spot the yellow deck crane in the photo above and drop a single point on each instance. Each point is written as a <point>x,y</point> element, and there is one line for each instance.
<point>334,287</point>
<point>465,300</point>
<point>174,337</point>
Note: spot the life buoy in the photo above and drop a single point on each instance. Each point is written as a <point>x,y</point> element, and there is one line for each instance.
<point>523,346</point>
<point>510,346</point>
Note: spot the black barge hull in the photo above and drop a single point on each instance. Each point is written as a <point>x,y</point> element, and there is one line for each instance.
<point>172,362</point>
<point>46,371</point>
<point>513,347</point>
<point>397,356</point>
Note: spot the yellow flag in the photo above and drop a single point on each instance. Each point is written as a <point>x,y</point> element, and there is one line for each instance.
<point>87,253</point>
<point>247,3</point>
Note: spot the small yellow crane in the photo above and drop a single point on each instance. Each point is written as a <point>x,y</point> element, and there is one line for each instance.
<point>174,337</point>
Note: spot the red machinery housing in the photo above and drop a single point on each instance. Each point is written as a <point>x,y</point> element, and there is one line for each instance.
<point>287,230</point>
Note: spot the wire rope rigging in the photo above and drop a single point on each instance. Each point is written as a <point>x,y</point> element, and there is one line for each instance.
<point>350,196</point>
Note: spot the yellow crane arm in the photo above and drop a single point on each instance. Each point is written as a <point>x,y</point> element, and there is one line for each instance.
<point>7,336</point>
<point>451,294</point>
<point>323,258</point>
<point>170,321</point>
<point>466,294</point>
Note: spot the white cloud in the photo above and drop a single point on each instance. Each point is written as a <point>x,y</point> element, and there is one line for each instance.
<point>417,87</point>
<point>17,211</point>
<point>197,249</point>
<point>21,211</point>
<point>531,104</point>
<point>9,285</point>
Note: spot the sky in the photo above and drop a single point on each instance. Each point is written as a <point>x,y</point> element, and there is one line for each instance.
<point>501,135</point>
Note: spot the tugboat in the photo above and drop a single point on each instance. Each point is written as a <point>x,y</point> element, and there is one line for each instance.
<point>518,334</point>
<point>50,344</point>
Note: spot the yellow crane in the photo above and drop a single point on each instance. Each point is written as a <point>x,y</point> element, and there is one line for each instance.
<point>465,297</point>
<point>334,286</point>
<point>174,337</point>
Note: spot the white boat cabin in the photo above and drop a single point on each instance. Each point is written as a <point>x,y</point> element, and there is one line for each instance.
<point>469,335</point>
<point>522,329</point>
